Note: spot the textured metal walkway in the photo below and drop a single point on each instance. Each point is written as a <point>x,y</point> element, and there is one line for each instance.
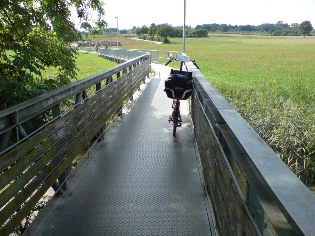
<point>139,181</point>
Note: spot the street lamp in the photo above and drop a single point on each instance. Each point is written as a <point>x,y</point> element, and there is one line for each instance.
<point>117,29</point>
<point>184,28</point>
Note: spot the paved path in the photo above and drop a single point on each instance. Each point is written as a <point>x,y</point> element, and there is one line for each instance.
<point>139,181</point>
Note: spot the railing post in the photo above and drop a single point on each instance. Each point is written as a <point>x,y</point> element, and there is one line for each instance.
<point>109,80</point>
<point>61,184</point>
<point>100,134</point>
<point>255,209</point>
<point>98,87</point>
<point>5,137</point>
<point>21,132</point>
<point>80,97</point>
<point>119,110</point>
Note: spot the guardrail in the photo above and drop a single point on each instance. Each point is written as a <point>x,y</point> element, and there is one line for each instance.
<point>250,187</point>
<point>117,54</point>
<point>34,156</point>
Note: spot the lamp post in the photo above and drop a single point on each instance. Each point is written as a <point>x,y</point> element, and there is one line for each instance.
<point>184,28</point>
<point>117,29</point>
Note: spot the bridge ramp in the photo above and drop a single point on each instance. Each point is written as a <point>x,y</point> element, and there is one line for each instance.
<point>140,180</point>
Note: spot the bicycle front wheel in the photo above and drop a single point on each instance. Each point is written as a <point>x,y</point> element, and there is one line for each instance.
<point>175,121</point>
<point>174,128</point>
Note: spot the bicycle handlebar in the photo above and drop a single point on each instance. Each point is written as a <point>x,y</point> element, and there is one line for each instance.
<point>182,58</point>
<point>194,62</point>
<point>169,61</point>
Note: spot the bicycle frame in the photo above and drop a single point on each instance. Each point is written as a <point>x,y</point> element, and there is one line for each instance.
<point>175,117</point>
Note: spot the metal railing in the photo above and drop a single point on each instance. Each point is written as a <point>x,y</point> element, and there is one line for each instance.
<point>115,54</point>
<point>41,137</point>
<point>252,191</point>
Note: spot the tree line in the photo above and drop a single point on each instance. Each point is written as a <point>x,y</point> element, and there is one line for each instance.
<point>163,31</point>
<point>278,29</point>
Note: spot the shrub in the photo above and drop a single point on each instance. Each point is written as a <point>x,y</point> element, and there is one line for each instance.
<point>166,41</point>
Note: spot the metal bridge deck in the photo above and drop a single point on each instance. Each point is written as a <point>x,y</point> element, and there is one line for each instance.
<point>138,181</point>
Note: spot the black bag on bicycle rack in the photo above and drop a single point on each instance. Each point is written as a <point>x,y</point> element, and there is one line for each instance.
<point>179,85</point>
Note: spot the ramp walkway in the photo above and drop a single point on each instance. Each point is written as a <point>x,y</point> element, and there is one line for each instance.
<point>139,180</point>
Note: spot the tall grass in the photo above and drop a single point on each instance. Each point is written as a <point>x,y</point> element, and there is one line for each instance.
<point>271,82</point>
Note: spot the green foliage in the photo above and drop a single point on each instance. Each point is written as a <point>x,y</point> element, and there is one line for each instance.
<point>33,36</point>
<point>164,30</point>
<point>86,25</point>
<point>166,40</point>
<point>200,33</point>
<point>306,28</point>
<point>100,27</point>
<point>20,71</point>
<point>152,30</point>
<point>144,30</point>
<point>278,29</point>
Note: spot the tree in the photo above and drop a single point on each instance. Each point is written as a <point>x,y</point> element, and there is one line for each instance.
<point>86,26</point>
<point>164,30</point>
<point>72,35</point>
<point>138,32</point>
<point>306,28</point>
<point>134,30</point>
<point>144,29</point>
<point>152,30</point>
<point>33,36</point>
<point>101,25</point>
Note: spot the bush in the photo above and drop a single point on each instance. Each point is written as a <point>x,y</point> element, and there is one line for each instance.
<point>200,33</point>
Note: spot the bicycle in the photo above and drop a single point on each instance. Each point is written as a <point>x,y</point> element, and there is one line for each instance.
<point>178,86</point>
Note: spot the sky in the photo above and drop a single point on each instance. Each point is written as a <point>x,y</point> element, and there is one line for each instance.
<point>235,12</point>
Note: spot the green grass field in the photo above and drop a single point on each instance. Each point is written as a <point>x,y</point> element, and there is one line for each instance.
<point>88,64</point>
<point>271,82</point>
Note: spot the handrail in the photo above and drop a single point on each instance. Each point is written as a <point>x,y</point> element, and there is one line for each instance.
<point>287,202</point>
<point>14,116</point>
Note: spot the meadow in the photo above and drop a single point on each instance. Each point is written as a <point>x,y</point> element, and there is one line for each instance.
<point>271,82</point>
<point>87,64</point>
